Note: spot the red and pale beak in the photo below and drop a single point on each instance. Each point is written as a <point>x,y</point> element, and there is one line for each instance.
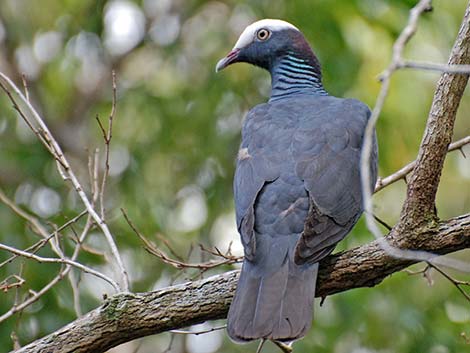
<point>229,59</point>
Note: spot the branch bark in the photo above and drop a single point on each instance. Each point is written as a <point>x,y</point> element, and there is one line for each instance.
<point>419,207</point>
<point>125,316</point>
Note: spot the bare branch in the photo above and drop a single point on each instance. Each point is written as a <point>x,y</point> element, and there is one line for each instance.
<point>261,345</point>
<point>452,69</point>
<point>46,239</point>
<point>458,284</point>
<point>37,226</point>
<point>186,332</point>
<point>56,151</point>
<point>12,281</point>
<point>18,307</point>
<point>38,245</point>
<point>419,208</point>
<point>154,250</point>
<point>107,135</point>
<point>74,282</point>
<point>125,317</point>
<point>420,200</point>
<point>403,172</point>
<point>59,261</point>
<point>398,47</point>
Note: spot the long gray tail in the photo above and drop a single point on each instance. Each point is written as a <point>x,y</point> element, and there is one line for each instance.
<point>278,306</point>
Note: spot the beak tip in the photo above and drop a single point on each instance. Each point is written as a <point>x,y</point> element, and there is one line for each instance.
<point>220,65</point>
<point>229,59</point>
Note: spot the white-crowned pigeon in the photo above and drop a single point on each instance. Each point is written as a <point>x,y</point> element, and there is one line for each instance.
<point>300,153</point>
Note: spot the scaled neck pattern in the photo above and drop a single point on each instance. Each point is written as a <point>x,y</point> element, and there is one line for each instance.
<point>292,75</point>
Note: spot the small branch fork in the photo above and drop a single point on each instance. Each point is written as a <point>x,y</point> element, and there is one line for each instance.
<point>405,36</point>
<point>53,239</point>
<point>64,168</point>
<point>419,207</point>
<point>225,259</point>
<point>403,172</point>
<point>64,260</point>
<point>410,216</point>
<point>457,283</point>
<point>107,136</point>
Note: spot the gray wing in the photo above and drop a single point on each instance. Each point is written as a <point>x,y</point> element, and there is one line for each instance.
<point>257,164</point>
<point>327,151</point>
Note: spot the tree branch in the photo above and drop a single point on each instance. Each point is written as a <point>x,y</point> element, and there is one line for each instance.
<point>403,172</point>
<point>419,206</point>
<point>63,166</point>
<point>125,316</point>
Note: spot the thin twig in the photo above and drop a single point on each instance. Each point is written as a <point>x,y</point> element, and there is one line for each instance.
<point>169,246</point>
<point>152,249</point>
<point>74,284</point>
<point>421,65</point>
<point>186,332</point>
<point>170,344</point>
<point>56,151</point>
<point>36,131</point>
<point>59,261</point>
<point>260,346</point>
<point>403,172</point>
<point>457,283</point>
<point>12,281</point>
<point>37,227</point>
<point>382,222</point>
<point>216,252</point>
<point>18,307</point>
<point>107,135</point>
<point>93,175</point>
<point>25,86</point>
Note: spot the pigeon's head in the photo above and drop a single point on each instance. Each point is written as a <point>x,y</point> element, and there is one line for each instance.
<point>265,42</point>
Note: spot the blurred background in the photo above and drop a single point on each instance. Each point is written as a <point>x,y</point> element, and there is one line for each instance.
<point>176,134</point>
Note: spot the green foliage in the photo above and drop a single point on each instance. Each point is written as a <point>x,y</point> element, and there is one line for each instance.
<point>175,137</point>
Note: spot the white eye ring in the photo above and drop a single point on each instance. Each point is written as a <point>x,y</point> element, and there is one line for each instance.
<point>263,34</point>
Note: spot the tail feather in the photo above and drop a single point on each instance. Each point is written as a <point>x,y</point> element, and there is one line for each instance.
<point>278,306</point>
<point>240,316</point>
<point>270,299</point>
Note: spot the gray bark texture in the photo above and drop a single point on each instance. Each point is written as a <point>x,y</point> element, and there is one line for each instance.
<point>126,316</point>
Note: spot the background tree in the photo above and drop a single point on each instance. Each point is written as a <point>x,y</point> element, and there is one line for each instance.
<point>175,135</point>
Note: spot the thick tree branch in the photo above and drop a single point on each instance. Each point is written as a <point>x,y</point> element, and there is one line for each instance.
<point>125,317</point>
<point>423,183</point>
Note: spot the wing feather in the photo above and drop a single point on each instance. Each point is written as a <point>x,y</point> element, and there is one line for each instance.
<point>327,150</point>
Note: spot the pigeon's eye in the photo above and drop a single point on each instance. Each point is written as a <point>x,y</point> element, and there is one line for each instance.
<point>263,34</point>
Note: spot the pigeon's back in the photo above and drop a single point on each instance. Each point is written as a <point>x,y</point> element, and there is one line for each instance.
<point>296,154</point>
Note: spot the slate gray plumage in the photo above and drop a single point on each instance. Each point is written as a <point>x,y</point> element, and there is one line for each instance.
<point>300,152</point>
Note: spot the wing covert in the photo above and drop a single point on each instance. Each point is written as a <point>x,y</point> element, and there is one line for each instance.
<point>256,165</point>
<point>327,152</point>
